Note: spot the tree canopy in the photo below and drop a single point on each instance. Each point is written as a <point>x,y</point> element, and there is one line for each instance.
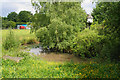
<point>25,16</point>
<point>63,21</point>
<point>107,13</point>
<point>12,16</point>
<point>69,12</point>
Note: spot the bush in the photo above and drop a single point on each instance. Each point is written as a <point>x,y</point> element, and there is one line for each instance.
<point>88,43</point>
<point>24,41</point>
<point>10,41</point>
<point>42,35</point>
<point>8,24</point>
<point>31,41</point>
<point>58,35</point>
<point>28,41</point>
<point>11,24</point>
<point>110,51</point>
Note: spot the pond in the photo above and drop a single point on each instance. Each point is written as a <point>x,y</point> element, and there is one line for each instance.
<point>56,57</point>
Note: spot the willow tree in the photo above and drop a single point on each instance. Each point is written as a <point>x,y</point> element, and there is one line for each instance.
<point>61,23</point>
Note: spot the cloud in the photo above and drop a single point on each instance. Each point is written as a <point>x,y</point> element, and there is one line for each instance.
<point>88,6</point>
<point>25,6</point>
<point>15,0</point>
<point>8,7</point>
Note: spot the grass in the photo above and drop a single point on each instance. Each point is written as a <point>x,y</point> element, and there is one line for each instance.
<point>34,67</point>
<point>20,34</point>
<point>44,69</point>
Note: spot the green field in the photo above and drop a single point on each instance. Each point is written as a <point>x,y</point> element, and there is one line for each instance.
<point>20,34</point>
<point>35,67</point>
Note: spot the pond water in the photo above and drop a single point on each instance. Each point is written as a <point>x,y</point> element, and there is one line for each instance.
<point>36,51</point>
<point>57,57</point>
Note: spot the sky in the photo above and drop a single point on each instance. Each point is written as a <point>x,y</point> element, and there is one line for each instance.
<point>88,6</point>
<point>8,6</point>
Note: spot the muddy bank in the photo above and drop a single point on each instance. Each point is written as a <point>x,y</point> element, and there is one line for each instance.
<point>63,57</point>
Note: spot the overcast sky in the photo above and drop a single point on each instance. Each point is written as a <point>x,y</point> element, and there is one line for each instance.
<point>8,6</point>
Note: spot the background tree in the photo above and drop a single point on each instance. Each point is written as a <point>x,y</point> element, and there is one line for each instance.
<point>4,22</point>
<point>8,24</point>
<point>25,16</point>
<point>107,13</point>
<point>4,18</point>
<point>11,24</point>
<point>12,16</point>
<point>0,22</point>
<point>40,20</point>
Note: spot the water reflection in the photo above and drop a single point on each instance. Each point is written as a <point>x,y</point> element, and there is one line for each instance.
<point>36,51</point>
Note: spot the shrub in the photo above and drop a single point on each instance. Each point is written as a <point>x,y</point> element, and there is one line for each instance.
<point>110,50</point>
<point>99,27</point>
<point>10,41</point>
<point>31,41</point>
<point>58,35</point>
<point>28,41</point>
<point>24,41</point>
<point>42,35</point>
<point>88,43</point>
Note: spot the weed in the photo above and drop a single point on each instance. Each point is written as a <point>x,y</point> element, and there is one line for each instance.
<point>10,41</point>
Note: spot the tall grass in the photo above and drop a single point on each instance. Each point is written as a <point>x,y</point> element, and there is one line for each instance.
<point>20,34</point>
<point>10,41</point>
